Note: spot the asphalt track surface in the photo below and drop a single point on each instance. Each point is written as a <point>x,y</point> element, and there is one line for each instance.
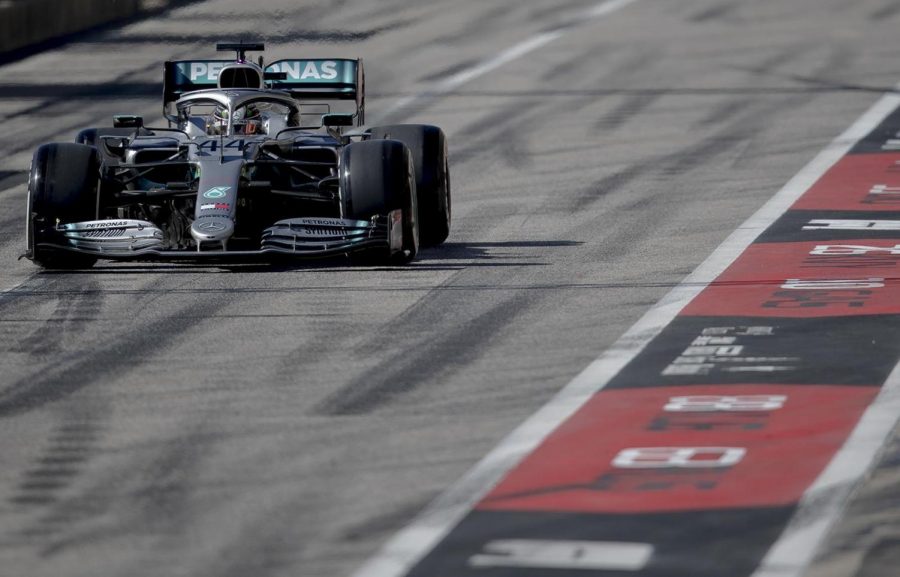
<point>176,420</point>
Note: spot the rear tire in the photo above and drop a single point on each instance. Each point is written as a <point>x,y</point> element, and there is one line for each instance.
<point>428,146</point>
<point>378,177</point>
<point>62,188</point>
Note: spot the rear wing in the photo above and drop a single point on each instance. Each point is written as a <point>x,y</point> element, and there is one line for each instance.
<point>308,79</point>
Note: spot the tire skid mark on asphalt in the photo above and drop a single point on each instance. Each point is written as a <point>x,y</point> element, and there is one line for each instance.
<point>724,140</point>
<point>164,487</point>
<point>600,190</point>
<point>74,442</point>
<point>321,339</point>
<point>151,495</point>
<point>516,153</point>
<point>454,68</point>
<point>271,543</point>
<point>512,124</point>
<point>67,450</point>
<point>775,61</point>
<point>483,23</point>
<point>270,555</point>
<point>49,337</point>
<point>635,60</point>
<point>724,111</point>
<point>416,103</point>
<point>584,64</point>
<point>840,57</point>
<point>720,12</point>
<point>408,369</point>
<point>9,301</point>
<point>673,164</point>
<point>42,288</point>
<point>629,108</point>
<point>559,6</point>
<point>890,9</point>
<point>483,137</point>
<point>483,134</point>
<point>77,369</point>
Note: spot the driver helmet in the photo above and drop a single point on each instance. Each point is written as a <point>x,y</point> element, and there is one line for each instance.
<point>247,120</point>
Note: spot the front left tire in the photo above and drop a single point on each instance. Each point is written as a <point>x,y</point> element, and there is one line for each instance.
<point>62,188</point>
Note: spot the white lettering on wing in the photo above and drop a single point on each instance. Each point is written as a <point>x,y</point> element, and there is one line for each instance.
<point>198,70</point>
<point>292,69</point>
<point>329,71</point>
<point>214,70</point>
<point>310,71</point>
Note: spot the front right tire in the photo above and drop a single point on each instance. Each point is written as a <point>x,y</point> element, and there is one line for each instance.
<point>377,177</point>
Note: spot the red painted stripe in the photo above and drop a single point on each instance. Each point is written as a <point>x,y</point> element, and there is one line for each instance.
<point>805,280</point>
<point>868,182</point>
<point>784,450</point>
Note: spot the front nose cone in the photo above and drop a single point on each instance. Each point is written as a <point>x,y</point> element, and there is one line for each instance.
<point>212,229</point>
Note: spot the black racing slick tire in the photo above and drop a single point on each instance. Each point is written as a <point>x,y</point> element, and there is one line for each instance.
<point>62,188</point>
<point>428,146</point>
<point>377,177</point>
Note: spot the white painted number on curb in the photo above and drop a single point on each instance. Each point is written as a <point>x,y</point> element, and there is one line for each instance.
<point>851,249</point>
<point>884,189</point>
<point>846,224</point>
<point>596,555</point>
<point>834,284</point>
<point>679,457</point>
<point>737,403</point>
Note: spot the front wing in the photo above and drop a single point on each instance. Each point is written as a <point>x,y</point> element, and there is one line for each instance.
<point>129,239</point>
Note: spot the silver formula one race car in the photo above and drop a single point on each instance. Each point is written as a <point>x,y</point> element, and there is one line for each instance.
<point>256,161</point>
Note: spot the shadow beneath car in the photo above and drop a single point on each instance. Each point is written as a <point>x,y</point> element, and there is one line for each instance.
<point>448,256</point>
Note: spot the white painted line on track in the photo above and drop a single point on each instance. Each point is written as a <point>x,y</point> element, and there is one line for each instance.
<point>794,549</point>
<point>502,58</point>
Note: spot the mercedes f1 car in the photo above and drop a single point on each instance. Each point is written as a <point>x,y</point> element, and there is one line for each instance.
<point>256,161</point>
